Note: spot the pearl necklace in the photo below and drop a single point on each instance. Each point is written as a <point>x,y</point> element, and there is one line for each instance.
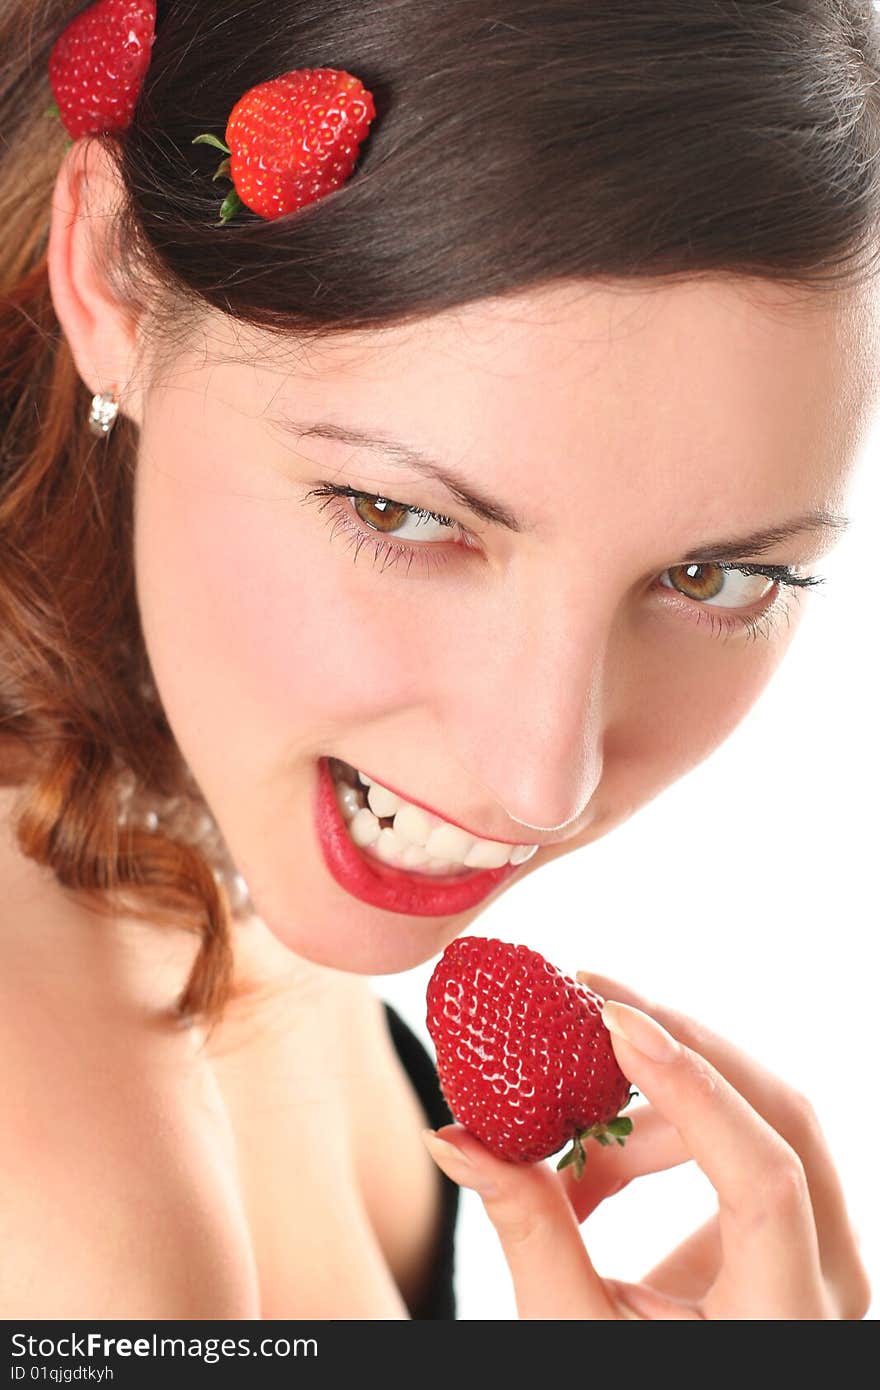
<point>185,819</point>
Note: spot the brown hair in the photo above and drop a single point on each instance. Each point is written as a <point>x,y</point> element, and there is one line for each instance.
<point>515,143</point>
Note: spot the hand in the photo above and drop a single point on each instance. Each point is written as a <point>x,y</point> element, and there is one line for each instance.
<point>780,1245</point>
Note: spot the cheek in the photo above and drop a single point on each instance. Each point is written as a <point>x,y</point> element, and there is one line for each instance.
<point>255,622</point>
<point>691,693</point>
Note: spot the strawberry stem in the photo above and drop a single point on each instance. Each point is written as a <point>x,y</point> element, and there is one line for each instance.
<point>616,1129</point>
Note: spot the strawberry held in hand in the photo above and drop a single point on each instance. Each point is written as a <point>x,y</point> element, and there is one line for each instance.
<point>292,140</point>
<point>523,1057</point>
<point>98,64</point>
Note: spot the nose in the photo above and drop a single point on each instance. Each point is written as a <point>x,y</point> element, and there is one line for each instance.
<point>524,707</point>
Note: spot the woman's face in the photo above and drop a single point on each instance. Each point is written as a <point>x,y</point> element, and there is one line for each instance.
<point>532,664</point>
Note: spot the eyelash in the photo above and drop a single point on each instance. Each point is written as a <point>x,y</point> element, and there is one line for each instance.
<point>755,625</point>
<point>346,519</point>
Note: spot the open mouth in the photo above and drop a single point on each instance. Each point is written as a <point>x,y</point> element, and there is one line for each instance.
<point>392,831</point>
<point>389,870</point>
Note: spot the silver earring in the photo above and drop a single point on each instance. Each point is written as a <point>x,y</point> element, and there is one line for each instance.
<point>104,414</point>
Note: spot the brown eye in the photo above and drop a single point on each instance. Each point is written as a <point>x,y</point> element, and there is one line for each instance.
<point>380,514</point>
<point>400,520</point>
<point>725,587</point>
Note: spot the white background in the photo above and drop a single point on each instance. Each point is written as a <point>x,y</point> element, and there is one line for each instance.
<point>745,894</point>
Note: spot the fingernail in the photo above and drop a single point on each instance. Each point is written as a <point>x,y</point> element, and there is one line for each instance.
<point>582,977</point>
<point>454,1161</point>
<point>641,1032</point>
<point>441,1148</point>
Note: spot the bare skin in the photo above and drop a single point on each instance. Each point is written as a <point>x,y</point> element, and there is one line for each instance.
<point>538,684</point>
<point>147,1173</point>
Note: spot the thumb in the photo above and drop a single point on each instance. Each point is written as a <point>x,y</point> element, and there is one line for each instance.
<point>553,1276</point>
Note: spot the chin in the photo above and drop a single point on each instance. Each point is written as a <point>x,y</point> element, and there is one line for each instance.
<point>354,937</point>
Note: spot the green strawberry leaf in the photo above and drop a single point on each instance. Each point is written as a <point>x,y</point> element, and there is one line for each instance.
<point>622,1125</point>
<point>224,171</point>
<point>232,205</point>
<point>576,1156</point>
<point>53,111</point>
<point>212,140</point>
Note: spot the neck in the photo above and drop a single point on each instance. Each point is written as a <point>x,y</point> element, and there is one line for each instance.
<point>53,940</point>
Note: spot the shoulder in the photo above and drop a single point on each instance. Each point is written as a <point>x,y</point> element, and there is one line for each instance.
<point>118,1196</point>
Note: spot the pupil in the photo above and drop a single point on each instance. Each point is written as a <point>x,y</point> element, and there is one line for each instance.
<point>690,578</point>
<point>381,515</point>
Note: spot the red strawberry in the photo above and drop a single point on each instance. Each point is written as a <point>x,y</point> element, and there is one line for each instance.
<point>98,65</point>
<point>523,1057</point>
<point>292,140</point>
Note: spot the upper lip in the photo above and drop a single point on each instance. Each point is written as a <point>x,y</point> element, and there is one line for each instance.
<point>477,834</point>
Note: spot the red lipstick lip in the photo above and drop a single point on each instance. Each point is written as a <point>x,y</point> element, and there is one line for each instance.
<point>404,796</point>
<point>380,885</point>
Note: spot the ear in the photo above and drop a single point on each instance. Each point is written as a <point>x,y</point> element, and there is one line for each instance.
<point>100,329</point>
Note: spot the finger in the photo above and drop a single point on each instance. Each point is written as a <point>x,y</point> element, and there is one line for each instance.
<point>553,1276</point>
<point>653,1146</point>
<point>771,1262</point>
<point>786,1110</point>
<point>689,1270</point>
<point>649,1305</point>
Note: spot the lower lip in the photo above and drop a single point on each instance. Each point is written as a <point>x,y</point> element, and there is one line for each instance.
<point>379,884</point>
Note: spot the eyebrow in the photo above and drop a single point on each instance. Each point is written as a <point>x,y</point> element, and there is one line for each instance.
<point>404,456</point>
<point>495,512</point>
<point>758,542</point>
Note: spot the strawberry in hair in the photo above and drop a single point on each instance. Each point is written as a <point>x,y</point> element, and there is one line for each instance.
<point>98,65</point>
<point>292,140</point>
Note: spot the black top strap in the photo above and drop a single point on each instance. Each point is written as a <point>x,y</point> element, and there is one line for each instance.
<point>439,1298</point>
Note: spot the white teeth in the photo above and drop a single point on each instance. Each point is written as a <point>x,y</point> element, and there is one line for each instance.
<point>382,801</point>
<point>388,847</point>
<point>413,857</point>
<point>413,824</point>
<point>448,842</point>
<point>487,854</point>
<point>520,853</point>
<point>364,828</point>
<point>418,840</point>
<point>349,800</point>
<point>442,866</point>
